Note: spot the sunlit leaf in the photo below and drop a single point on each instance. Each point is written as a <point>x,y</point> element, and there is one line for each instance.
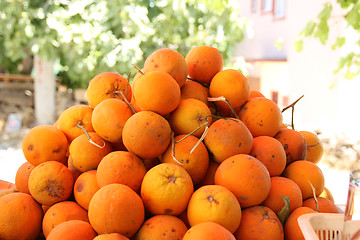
<point>298,45</point>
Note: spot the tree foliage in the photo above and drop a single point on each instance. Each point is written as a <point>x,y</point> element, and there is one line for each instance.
<point>320,27</point>
<point>87,37</point>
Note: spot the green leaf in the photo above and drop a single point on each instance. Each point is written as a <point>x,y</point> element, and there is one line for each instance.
<point>284,213</point>
<point>340,41</point>
<point>322,31</point>
<point>298,45</point>
<point>309,28</point>
<point>326,12</point>
<point>353,17</point>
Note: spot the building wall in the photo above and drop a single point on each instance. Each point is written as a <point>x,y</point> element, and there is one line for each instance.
<point>329,101</point>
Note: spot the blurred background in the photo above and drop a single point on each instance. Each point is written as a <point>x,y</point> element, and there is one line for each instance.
<point>50,50</point>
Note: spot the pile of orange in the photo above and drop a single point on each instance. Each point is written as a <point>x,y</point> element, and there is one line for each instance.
<point>184,150</point>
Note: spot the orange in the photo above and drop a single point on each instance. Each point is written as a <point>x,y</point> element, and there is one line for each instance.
<point>294,144</point>
<point>121,167</point>
<point>5,185</point>
<point>255,93</point>
<point>203,63</point>
<point>20,217</point>
<point>228,137</point>
<point>292,229</point>
<point>214,203</point>
<point>271,153</point>
<point>116,208</point>
<point>85,187</point>
<point>304,173</point>
<point>210,174</point>
<point>146,134</point>
<point>75,172</point>
<point>259,222</point>
<point>208,231</point>
<point>314,147</point>
<point>191,115</point>
<point>326,193</point>
<point>232,85</point>
<point>45,143</point>
<point>110,236</point>
<point>262,116</point>
<point>324,205</point>
<point>109,117</point>
<point>22,177</point>
<point>86,155</point>
<point>169,61</point>
<point>157,91</point>
<point>195,163</point>
<point>166,189</point>
<point>50,182</point>
<point>61,212</point>
<point>107,85</point>
<point>72,229</point>
<point>73,116</point>
<point>286,187</point>
<point>246,177</point>
<point>192,89</point>
<point>161,227</point>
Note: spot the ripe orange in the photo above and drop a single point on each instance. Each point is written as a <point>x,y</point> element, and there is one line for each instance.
<point>192,89</point>
<point>161,227</point>
<point>292,229</point>
<point>157,91</point>
<point>294,144</point>
<point>169,61</point>
<point>116,208</point>
<point>146,134</point>
<point>45,143</point>
<point>22,177</point>
<point>228,137</point>
<point>262,116</point>
<point>166,189</point>
<point>232,85</point>
<point>208,231</point>
<point>259,222</point>
<point>109,117</point>
<point>281,186</point>
<point>191,114</point>
<point>86,155</point>
<point>20,217</point>
<point>110,236</point>
<point>304,173</point>
<point>107,85</point>
<point>85,187</point>
<point>203,63</point>
<point>50,182</point>
<point>246,177</point>
<point>61,212</point>
<point>73,116</point>
<point>314,146</point>
<point>214,203</point>
<point>271,153</point>
<point>210,174</point>
<point>121,167</point>
<point>326,193</point>
<point>255,93</point>
<point>324,205</point>
<point>195,163</point>
<point>72,229</point>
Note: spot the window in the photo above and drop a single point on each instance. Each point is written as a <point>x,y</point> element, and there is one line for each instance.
<point>275,96</point>
<point>266,5</point>
<point>279,8</point>
<point>253,5</point>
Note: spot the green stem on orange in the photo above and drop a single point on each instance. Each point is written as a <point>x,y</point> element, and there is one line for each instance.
<point>126,101</point>
<point>314,195</point>
<point>200,139</point>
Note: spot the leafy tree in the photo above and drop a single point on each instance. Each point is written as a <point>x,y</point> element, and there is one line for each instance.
<point>88,37</point>
<point>320,27</point>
